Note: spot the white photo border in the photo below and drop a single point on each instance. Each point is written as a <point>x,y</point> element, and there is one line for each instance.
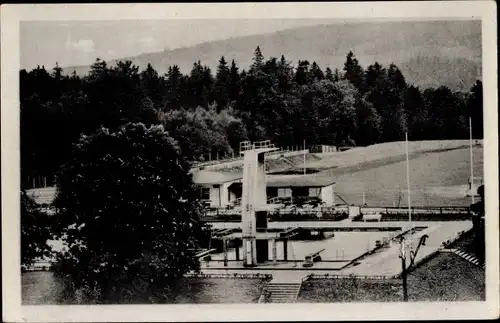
<point>11,15</point>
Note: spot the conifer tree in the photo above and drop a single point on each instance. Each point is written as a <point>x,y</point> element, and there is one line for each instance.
<point>234,82</point>
<point>258,61</point>
<point>222,84</point>
<point>329,74</point>
<point>316,72</point>
<point>353,72</point>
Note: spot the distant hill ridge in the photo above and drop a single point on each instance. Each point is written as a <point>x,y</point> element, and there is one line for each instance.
<point>428,53</point>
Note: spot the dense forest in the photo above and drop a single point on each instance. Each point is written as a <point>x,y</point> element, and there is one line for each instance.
<point>210,112</point>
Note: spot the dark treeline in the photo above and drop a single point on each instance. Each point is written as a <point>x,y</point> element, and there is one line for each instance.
<point>210,112</point>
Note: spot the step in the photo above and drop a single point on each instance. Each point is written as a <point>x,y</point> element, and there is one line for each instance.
<point>281,300</point>
<point>283,294</point>
<point>283,288</point>
<point>283,285</point>
<point>277,291</point>
<point>472,259</point>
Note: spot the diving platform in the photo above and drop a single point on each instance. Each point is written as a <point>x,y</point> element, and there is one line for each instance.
<point>254,202</point>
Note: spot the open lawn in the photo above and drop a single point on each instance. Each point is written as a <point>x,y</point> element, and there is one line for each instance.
<point>445,277</point>
<point>436,179</point>
<point>384,152</point>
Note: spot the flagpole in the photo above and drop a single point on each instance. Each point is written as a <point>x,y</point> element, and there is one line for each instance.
<point>408,178</point>
<point>304,156</point>
<point>471,162</point>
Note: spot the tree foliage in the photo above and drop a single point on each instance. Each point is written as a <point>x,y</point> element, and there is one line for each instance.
<point>35,231</point>
<point>126,210</point>
<point>271,99</point>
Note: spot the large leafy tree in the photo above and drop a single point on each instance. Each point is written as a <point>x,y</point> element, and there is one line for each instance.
<point>204,133</point>
<point>416,113</point>
<point>126,209</point>
<point>35,232</point>
<point>369,123</point>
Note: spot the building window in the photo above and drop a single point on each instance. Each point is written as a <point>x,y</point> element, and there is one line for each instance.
<point>284,192</point>
<point>314,191</point>
<point>205,193</point>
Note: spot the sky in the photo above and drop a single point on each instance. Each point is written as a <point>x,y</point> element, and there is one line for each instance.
<point>74,43</point>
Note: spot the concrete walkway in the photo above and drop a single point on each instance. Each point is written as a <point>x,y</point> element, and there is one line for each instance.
<point>385,263</point>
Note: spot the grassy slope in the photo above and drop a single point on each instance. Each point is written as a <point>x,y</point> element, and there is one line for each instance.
<point>450,51</point>
<point>445,277</point>
<point>438,173</point>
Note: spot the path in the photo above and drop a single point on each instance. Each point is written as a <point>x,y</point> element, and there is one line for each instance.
<point>386,262</point>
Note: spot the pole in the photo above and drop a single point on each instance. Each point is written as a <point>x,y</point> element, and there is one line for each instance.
<point>304,156</point>
<point>364,198</point>
<point>471,161</point>
<point>275,253</point>
<point>224,249</point>
<point>405,279</point>
<point>408,178</point>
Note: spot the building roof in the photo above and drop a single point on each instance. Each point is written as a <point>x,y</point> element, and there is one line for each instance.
<point>213,177</point>
<point>298,181</point>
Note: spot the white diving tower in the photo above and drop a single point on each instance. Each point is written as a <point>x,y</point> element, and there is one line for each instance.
<point>254,201</point>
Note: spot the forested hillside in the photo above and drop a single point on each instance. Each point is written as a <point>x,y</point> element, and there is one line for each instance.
<point>429,53</point>
<point>210,112</point>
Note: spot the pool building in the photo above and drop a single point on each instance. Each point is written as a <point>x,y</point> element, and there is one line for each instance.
<point>224,189</point>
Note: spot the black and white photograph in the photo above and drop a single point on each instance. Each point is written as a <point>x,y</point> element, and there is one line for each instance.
<point>253,159</point>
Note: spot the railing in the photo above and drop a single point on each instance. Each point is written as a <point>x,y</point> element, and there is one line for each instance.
<point>422,213</point>
<point>235,275</point>
<point>237,202</point>
<point>215,162</point>
<point>283,214</point>
<point>224,160</point>
<point>338,213</point>
<point>263,144</point>
<point>273,200</point>
<point>418,209</point>
<point>330,276</point>
<point>247,145</point>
